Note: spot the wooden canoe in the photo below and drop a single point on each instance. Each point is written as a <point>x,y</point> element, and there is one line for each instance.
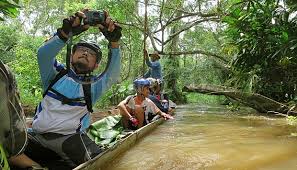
<point>101,160</point>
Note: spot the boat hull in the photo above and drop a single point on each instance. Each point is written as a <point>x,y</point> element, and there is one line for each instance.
<point>101,160</point>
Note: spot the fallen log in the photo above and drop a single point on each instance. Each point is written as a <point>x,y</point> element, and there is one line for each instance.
<point>256,101</point>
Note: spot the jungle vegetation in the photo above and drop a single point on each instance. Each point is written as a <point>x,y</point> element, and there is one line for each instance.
<point>246,44</point>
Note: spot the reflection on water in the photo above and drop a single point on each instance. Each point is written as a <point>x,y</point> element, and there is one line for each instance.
<point>213,139</point>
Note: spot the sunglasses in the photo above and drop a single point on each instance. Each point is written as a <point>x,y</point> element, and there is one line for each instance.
<point>86,49</point>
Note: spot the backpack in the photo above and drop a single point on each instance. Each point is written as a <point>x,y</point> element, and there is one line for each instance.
<point>65,100</point>
<point>13,133</point>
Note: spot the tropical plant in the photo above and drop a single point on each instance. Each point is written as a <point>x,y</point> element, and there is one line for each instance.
<point>265,35</point>
<point>8,8</point>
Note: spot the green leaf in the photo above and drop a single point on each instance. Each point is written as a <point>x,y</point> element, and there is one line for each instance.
<point>3,159</point>
<point>106,130</point>
<point>109,134</point>
<point>122,89</point>
<point>230,20</point>
<point>292,120</point>
<point>105,141</point>
<point>16,1</point>
<point>285,36</point>
<point>8,8</point>
<point>243,17</point>
<point>106,123</point>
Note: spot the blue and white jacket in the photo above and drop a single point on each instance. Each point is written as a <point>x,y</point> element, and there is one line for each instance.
<point>51,114</point>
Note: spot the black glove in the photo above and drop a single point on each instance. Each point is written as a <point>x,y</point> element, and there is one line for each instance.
<point>68,26</point>
<point>113,36</point>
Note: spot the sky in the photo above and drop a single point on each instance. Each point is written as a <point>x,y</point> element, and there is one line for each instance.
<point>152,10</point>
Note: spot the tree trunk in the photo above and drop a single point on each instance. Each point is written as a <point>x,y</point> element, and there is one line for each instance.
<point>172,64</point>
<point>254,100</point>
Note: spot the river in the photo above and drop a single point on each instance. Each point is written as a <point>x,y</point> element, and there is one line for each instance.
<point>213,138</point>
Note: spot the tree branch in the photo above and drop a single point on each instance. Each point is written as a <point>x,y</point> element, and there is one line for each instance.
<point>179,10</point>
<point>188,27</point>
<point>195,52</point>
<point>185,16</point>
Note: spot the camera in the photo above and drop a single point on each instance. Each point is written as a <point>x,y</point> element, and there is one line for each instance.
<point>94,17</point>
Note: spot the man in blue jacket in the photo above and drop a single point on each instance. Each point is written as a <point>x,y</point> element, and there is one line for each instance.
<point>63,115</point>
<point>155,69</point>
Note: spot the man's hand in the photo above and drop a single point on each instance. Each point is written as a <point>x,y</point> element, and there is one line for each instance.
<point>166,116</point>
<point>111,30</point>
<point>74,24</point>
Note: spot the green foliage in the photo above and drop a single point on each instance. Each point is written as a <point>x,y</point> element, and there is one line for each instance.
<point>26,69</point>
<point>204,99</point>
<point>198,68</point>
<point>117,93</point>
<point>40,18</point>
<point>172,85</point>
<point>9,8</point>
<point>8,40</point>
<point>265,36</point>
<point>233,106</point>
<point>3,159</point>
<point>105,132</point>
<point>43,17</point>
<point>18,48</point>
<point>245,80</point>
<point>19,52</point>
<point>292,120</point>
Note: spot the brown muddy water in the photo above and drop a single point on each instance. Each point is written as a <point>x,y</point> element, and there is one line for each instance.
<point>213,138</point>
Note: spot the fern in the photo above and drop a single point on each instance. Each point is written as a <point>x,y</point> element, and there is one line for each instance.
<point>3,160</point>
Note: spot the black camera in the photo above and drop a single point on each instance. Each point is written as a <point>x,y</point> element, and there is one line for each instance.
<point>94,17</point>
